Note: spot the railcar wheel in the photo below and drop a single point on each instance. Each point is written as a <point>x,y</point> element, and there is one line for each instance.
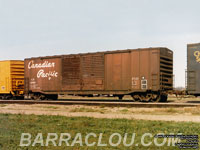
<point>7,97</point>
<point>36,97</point>
<point>42,97</point>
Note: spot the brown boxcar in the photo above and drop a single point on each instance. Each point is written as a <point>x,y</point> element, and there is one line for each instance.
<point>145,74</point>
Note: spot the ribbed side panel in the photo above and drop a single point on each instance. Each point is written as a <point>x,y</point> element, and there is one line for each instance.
<point>71,73</point>
<point>166,71</point>
<point>17,75</point>
<point>92,68</point>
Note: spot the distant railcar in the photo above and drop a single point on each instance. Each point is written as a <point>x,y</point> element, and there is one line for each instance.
<point>193,69</point>
<point>11,79</point>
<point>145,74</point>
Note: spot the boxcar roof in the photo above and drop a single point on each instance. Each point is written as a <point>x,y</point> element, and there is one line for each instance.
<point>193,44</point>
<point>104,52</point>
<point>10,60</point>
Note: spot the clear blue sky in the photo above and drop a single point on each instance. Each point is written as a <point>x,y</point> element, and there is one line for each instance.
<point>49,27</point>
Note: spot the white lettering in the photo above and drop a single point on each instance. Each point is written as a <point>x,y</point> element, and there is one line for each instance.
<point>143,137</point>
<point>172,140</point>
<point>90,140</point>
<point>38,140</point>
<point>132,140</point>
<point>77,140</point>
<point>49,75</point>
<point>46,64</point>
<point>118,142</point>
<point>52,140</point>
<point>160,144</point>
<point>100,140</point>
<point>27,140</point>
<point>66,140</point>
<point>87,139</point>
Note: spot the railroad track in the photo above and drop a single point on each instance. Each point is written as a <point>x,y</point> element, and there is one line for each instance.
<point>102,103</point>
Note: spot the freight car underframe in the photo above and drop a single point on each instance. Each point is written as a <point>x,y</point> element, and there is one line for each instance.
<point>12,95</point>
<point>147,95</point>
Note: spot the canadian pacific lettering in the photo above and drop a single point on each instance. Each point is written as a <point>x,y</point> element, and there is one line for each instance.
<point>42,73</point>
<point>46,64</point>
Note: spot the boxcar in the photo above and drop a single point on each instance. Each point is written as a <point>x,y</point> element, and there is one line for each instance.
<point>145,74</point>
<point>193,69</point>
<point>11,79</point>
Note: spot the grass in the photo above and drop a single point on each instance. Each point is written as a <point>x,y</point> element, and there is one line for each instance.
<point>3,105</point>
<point>124,111</point>
<point>171,110</point>
<point>82,109</point>
<point>49,107</point>
<point>195,111</point>
<point>85,109</point>
<point>11,127</point>
<point>186,110</point>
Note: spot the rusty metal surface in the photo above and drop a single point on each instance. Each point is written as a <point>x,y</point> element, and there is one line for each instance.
<point>140,70</point>
<point>92,72</point>
<point>71,76</point>
<point>193,68</point>
<point>166,69</point>
<point>112,72</point>
<point>117,71</point>
<point>43,74</point>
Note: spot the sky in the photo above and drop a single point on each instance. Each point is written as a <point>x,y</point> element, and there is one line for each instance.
<point>31,28</point>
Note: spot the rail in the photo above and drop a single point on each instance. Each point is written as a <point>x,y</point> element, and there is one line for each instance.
<point>102,103</point>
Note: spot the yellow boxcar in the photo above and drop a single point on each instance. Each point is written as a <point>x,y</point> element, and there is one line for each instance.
<point>11,79</point>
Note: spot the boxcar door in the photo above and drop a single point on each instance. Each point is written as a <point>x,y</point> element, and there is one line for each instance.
<point>71,73</point>
<point>92,69</point>
<point>117,71</point>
